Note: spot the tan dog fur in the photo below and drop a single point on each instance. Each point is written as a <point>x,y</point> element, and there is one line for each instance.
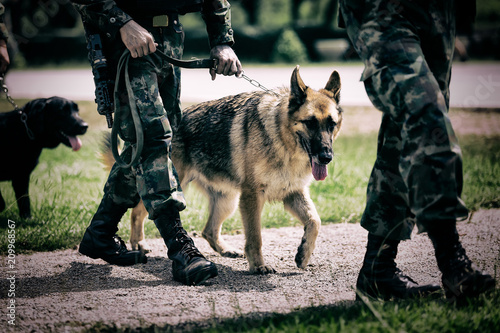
<point>252,148</point>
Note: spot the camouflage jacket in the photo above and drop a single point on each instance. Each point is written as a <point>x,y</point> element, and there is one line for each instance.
<point>108,17</point>
<point>465,12</point>
<point>3,30</point>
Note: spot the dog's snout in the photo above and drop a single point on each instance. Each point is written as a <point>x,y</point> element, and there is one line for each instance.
<point>325,156</point>
<point>84,126</point>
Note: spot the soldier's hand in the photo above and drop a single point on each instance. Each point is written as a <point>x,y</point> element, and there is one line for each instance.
<point>226,60</point>
<point>4,56</point>
<point>137,39</point>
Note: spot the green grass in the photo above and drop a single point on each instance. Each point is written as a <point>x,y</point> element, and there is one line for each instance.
<point>66,188</point>
<point>481,171</point>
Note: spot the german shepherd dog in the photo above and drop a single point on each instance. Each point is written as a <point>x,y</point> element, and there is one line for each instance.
<point>252,148</point>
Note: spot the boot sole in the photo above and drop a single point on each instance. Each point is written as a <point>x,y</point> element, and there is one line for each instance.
<point>471,291</point>
<point>384,291</point>
<point>138,259</point>
<point>199,277</point>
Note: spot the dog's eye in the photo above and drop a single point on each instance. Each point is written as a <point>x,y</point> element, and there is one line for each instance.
<point>311,123</point>
<point>331,124</point>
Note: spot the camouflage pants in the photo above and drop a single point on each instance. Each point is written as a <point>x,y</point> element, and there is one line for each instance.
<point>407,48</point>
<point>156,87</point>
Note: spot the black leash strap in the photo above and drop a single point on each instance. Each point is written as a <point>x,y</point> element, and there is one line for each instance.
<point>138,146</point>
<point>195,63</point>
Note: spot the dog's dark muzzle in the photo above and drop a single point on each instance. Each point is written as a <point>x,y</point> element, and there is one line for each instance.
<point>325,156</point>
<point>83,128</point>
<point>79,128</point>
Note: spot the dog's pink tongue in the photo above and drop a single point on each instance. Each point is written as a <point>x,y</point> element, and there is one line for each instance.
<point>319,171</point>
<point>75,142</point>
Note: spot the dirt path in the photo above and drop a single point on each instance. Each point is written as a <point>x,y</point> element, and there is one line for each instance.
<point>65,291</point>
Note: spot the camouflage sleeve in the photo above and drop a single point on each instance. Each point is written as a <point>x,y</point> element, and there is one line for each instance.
<point>3,30</point>
<point>217,17</point>
<point>102,14</point>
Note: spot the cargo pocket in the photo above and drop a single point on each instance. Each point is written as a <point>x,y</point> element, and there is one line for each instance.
<point>371,79</point>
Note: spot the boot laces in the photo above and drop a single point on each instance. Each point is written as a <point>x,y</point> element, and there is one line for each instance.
<point>459,261</point>
<point>191,251</point>
<point>389,268</point>
<point>400,273</point>
<point>182,237</point>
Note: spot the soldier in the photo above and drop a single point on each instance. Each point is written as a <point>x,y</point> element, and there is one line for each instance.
<point>155,83</point>
<point>4,34</point>
<point>407,49</point>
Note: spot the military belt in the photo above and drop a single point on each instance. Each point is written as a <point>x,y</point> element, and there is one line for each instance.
<point>158,21</point>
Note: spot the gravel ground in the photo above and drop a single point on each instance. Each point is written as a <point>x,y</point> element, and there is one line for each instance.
<point>65,291</point>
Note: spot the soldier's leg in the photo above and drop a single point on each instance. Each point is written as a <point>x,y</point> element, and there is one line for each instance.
<point>461,278</point>
<point>387,216</point>
<point>100,239</point>
<point>430,164</point>
<point>387,212</point>
<point>157,181</point>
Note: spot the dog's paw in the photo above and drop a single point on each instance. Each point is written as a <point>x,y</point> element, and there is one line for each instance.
<point>303,255</point>
<point>232,254</point>
<point>262,270</point>
<point>301,260</point>
<point>142,246</point>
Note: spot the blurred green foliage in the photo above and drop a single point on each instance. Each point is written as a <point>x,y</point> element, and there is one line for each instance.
<point>289,48</point>
<point>488,13</point>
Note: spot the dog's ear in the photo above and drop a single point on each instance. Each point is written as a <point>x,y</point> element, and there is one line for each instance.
<point>297,90</point>
<point>333,85</point>
<point>34,108</point>
<point>57,103</point>
<point>36,115</point>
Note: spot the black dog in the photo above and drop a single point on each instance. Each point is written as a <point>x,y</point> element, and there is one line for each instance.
<point>41,123</point>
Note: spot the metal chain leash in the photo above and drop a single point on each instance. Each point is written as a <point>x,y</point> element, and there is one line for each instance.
<point>24,116</point>
<point>256,83</point>
<point>5,90</point>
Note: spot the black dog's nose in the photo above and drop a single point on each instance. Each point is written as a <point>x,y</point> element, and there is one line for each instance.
<point>325,156</point>
<point>83,127</point>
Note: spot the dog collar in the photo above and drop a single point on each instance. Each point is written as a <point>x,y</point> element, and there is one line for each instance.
<point>24,120</point>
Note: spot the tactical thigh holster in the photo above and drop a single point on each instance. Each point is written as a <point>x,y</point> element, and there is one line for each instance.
<point>103,80</point>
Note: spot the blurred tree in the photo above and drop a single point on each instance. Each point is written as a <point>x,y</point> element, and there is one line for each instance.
<point>289,48</point>
<point>323,12</point>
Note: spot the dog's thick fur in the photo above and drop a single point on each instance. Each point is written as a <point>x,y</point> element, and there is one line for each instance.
<point>51,121</point>
<point>252,148</point>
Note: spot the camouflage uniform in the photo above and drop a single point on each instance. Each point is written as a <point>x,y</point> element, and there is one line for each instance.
<point>156,86</point>
<point>407,49</point>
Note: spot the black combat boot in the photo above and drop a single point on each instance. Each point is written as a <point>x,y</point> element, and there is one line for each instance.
<point>380,278</point>
<point>100,240</point>
<point>461,278</point>
<point>189,266</point>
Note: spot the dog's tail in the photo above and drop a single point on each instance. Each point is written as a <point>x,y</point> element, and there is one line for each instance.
<point>106,154</point>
